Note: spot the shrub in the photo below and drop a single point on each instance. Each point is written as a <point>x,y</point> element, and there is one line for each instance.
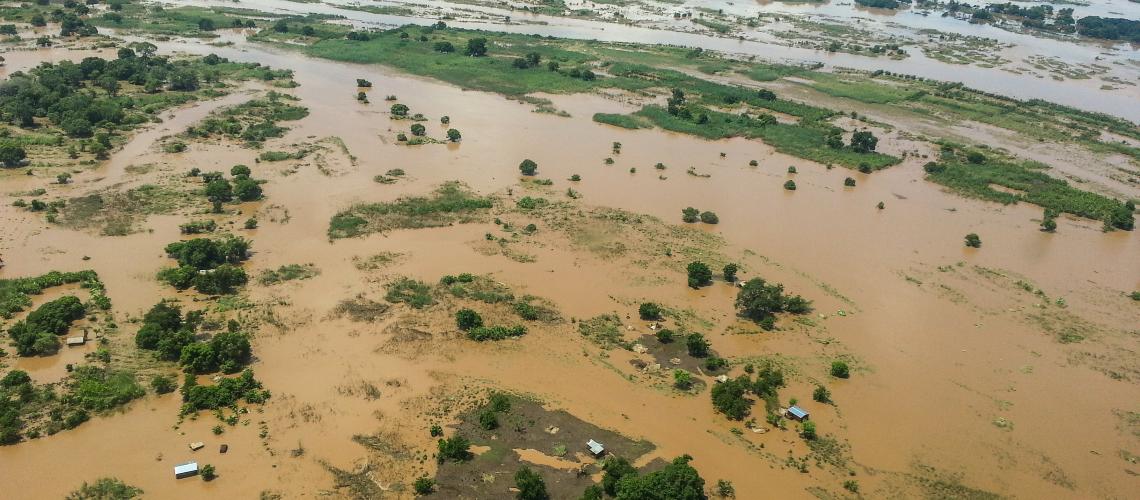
<point>699,274</point>
<point>530,485</point>
<point>467,319</point>
<point>487,420</point>
<point>839,369</point>
<point>360,82</point>
<point>106,488</point>
<point>973,241</point>
<point>453,135</point>
<point>664,335</point>
<point>209,473</point>
<point>649,311</point>
<point>240,171</point>
<point>423,485</point>
<point>849,182</point>
<point>975,157</point>
<point>400,110</point>
<point>499,402</point>
<point>682,379</point>
<point>495,332</point>
<point>790,185</point>
<point>418,129</point>
<point>808,430</point>
<point>528,167</point>
<point>709,218</point>
<point>792,169</point>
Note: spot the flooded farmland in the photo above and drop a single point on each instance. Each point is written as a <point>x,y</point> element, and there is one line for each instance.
<point>1004,370</point>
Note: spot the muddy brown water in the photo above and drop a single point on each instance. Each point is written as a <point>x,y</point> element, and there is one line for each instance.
<point>936,365</point>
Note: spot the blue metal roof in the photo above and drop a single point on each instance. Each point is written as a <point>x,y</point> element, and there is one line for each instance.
<point>798,412</point>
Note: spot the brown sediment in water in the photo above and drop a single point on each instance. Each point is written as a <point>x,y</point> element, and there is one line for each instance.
<point>939,354</point>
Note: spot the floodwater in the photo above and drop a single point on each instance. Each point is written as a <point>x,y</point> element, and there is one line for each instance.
<point>939,356</point>
<point>1022,82</point>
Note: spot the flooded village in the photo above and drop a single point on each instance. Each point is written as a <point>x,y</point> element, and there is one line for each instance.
<point>629,249</point>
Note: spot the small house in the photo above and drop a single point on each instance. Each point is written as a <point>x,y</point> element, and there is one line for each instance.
<point>596,448</point>
<point>76,341</point>
<point>197,445</point>
<point>185,470</point>
<point>797,413</point>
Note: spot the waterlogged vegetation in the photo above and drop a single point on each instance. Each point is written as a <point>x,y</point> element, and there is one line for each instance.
<point>451,203</point>
<point>974,173</point>
<point>253,121</point>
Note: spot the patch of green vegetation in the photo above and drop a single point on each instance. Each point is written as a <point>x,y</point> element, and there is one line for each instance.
<point>253,121</point>
<point>973,173</point>
<point>272,156</point>
<point>105,488</point>
<point>228,392</point>
<point>604,330</point>
<point>713,25</point>
<point>451,203</point>
<point>409,291</point>
<point>288,272</point>
<point>118,213</point>
<point>15,293</point>
<point>623,121</point>
<point>29,410</point>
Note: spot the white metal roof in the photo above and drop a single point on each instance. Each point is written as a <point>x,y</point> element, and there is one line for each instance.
<point>186,467</point>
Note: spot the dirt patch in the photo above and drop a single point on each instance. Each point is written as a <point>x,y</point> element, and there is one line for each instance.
<point>552,443</point>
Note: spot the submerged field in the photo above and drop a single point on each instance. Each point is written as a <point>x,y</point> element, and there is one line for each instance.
<point>400,263</point>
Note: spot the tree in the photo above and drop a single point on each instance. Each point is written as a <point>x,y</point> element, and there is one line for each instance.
<point>649,311</point>
<point>676,481</point>
<point>453,135</point>
<point>729,398</point>
<point>418,129</point>
<point>975,157</point>
<point>690,214</point>
<point>467,319</point>
<point>730,270</point>
<point>849,182</point>
<point>839,369</point>
<point>528,167</point>
<point>106,488</point>
<point>399,110</point>
<point>697,346</point>
<point>455,449</point>
<point>360,82</point>
<point>821,394</point>
<point>973,241</point>
<point>209,473</point>
<point>709,218</point>
<point>219,190</point>
<point>240,171</point>
<point>790,185</point>
<point>699,274</point>
<point>1049,221</point>
<point>247,189</point>
<point>444,47</point>
<point>487,420</point>
<point>530,485</point>
<point>615,468</point>
<point>163,384</point>
<point>281,26</point>
<point>864,141</point>
<point>206,24</point>
<point>476,47</point>
<point>664,335</point>
<point>11,155</point>
<point>758,300</point>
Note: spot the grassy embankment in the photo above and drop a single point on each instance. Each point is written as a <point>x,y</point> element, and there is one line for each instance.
<point>413,49</point>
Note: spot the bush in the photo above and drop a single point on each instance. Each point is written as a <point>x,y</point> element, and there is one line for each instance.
<point>839,369</point>
<point>849,182</point>
<point>423,485</point>
<point>682,380</point>
<point>495,332</point>
<point>453,135</point>
<point>709,218</point>
<point>973,241</point>
<point>790,185</point>
<point>487,420</point>
<point>649,311</point>
<point>106,488</point>
<point>499,402</point>
<point>664,335</point>
<point>418,129</point>
<point>467,319</point>
<point>209,473</point>
<point>808,431</point>
<point>699,274</point>
<point>528,167</point>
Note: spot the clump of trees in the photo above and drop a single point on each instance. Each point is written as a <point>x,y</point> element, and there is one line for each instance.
<point>731,397</point>
<point>209,266</point>
<point>173,338</point>
<point>530,485</point>
<point>863,141</point>
<point>227,392</point>
<point>760,301</point>
<point>37,335</point>
<point>220,190</point>
<point>676,481</point>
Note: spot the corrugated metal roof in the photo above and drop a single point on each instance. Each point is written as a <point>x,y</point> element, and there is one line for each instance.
<point>595,447</point>
<point>798,412</point>
<point>186,468</point>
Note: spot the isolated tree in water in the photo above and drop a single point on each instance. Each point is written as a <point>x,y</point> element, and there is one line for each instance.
<point>528,167</point>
